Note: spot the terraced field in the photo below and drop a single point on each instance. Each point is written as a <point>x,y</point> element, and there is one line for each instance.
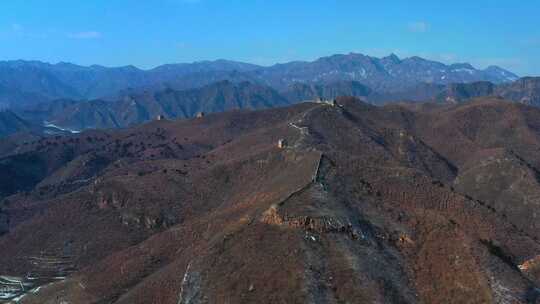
<point>42,270</point>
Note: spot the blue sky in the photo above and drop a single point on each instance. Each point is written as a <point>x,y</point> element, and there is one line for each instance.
<point>148,33</point>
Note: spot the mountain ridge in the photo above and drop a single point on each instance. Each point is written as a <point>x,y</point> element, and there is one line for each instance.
<point>148,105</point>
<point>138,106</point>
<point>66,80</point>
<point>362,204</point>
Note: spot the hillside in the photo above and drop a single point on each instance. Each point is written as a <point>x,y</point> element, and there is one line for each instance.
<point>302,92</point>
<point>10,123</point>
<point>136,108</point>
<point>66,80</point>
<point>394,204</point>
<point>526,90</point>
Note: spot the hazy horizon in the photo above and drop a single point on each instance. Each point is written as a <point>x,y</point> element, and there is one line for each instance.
<point>147,34</point>
<point>246,62</point>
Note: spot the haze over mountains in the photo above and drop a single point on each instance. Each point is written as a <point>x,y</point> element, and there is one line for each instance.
<point>32,81</point>
<point>138,107</point>
<point>11,123</point>
<point>74,97</point>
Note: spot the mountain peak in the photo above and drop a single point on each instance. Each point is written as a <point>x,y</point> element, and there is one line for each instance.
<point>392,58</point>
<point>505,75</point>
<point>416,58</point>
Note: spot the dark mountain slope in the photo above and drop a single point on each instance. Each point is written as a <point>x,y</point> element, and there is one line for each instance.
<point>31,78</point>
<point>422,92</point>
<point>484,123</point>
<point>137,108</point>
<point>302,92</point>
<point>364,204</point>
<point>11,97</point>
<point>43,111</point>
<point>525,90</point>
<point>459,92</point>
<point>66,80</point>
<point>495,146</point>
<point>171,71</point>
<point>10,123</point>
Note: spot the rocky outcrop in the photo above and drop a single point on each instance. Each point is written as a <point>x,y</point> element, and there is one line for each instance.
<point>322,224</point>
<point>190,292</point>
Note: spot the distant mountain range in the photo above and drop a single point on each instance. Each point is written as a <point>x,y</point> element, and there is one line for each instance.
<point>68,97</point>
<point>40,81</point>
<point>386,74</point>
<point>138,106</point>
<point>31,82</point>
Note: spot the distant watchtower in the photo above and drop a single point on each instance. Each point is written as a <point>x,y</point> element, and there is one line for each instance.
<point>282,143</point>
<point>331,102</point>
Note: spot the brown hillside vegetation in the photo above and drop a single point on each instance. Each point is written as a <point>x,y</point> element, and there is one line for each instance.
<point>364,204</point>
